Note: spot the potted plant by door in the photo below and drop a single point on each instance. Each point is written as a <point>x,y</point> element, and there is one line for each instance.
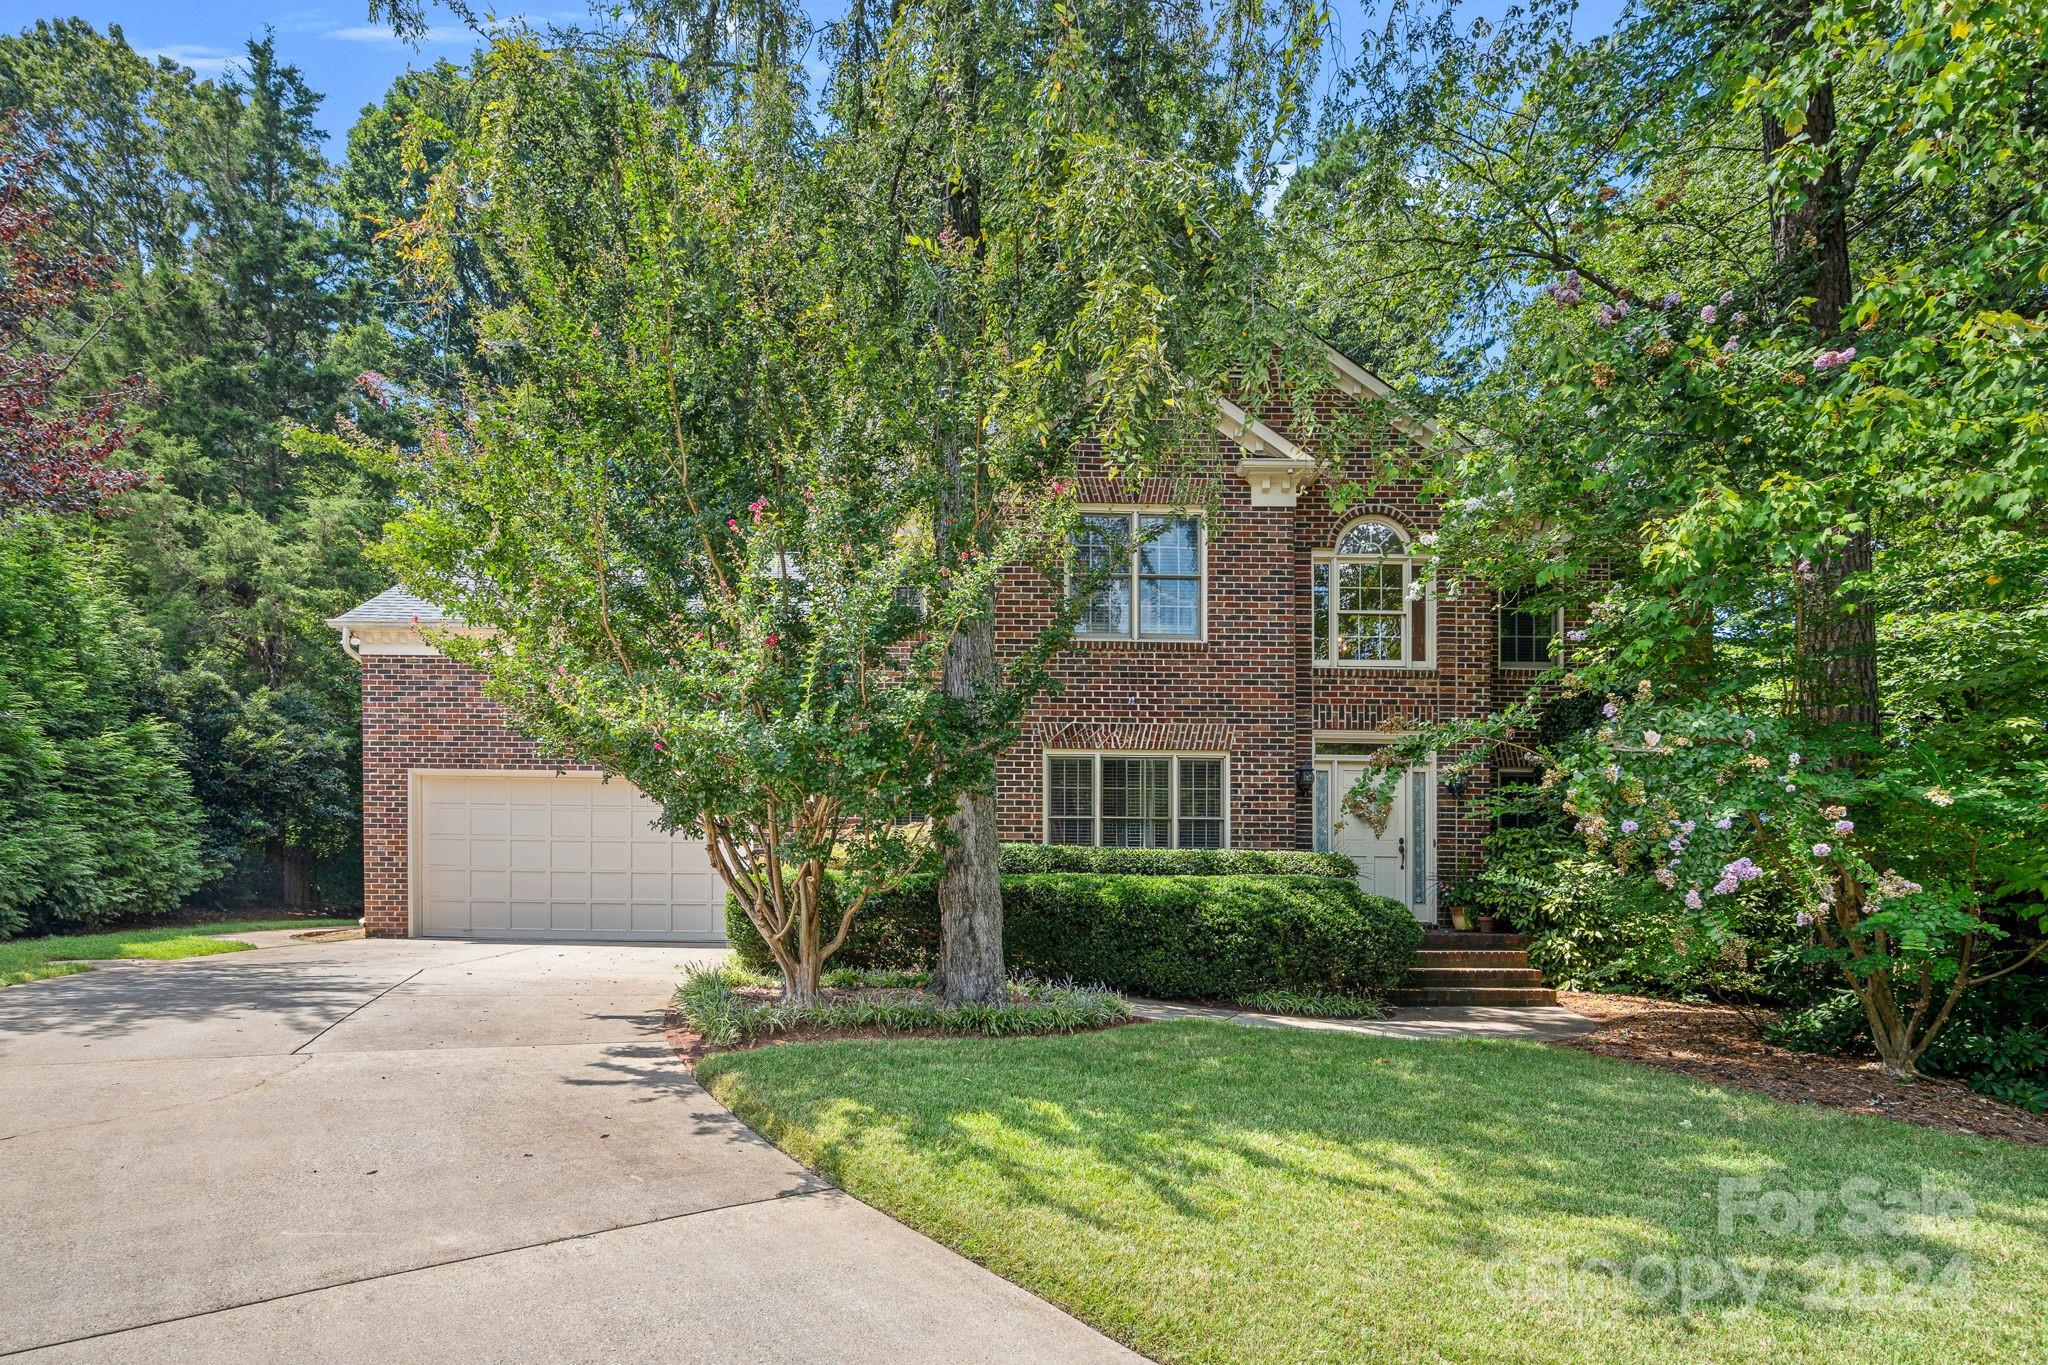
<point>1486,921</point>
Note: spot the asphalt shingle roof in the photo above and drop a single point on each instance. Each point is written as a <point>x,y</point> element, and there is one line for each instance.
<point>395,606</point>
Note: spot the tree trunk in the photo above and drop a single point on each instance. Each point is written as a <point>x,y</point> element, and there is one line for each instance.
<point>1834,634</point>
<point>970,890</point>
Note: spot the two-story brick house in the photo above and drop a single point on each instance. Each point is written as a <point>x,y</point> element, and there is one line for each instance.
<point>1225,688</point>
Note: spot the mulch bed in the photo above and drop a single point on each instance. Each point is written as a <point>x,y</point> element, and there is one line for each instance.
<point>1724,1044</point>
<point>330,935</point>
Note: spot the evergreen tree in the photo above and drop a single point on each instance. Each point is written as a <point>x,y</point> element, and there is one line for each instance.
<point>97,819</point>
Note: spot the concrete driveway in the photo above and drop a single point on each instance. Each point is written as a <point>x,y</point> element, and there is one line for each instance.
<point>428,1150</point>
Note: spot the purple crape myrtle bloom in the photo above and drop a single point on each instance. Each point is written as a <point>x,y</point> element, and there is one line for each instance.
<point>1708,314</point>
<point>1802,919</point>
<point>1844,826</point>
<point>1834,360</point>
<point>1727,297</point>
<point>1568,291</point>
<point>1822,850</point>
<point>1610,710</point>
<point>1629,827</point>
<point>1725,822</point>
<point>1670,301</point>
<point>1692,899</point>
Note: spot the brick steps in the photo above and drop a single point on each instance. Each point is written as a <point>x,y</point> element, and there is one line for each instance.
<point>1472,995</point>
<point>1432,975</point>
<point>1472,969</point>
<point>1476,957</point>
<point>1453,938</point>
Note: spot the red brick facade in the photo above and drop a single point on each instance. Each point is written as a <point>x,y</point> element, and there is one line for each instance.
<point>1249,690</point>
<point>421,712</point>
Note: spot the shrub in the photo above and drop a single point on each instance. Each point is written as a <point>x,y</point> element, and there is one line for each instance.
<point>1176,862</point>
<point>1591,928</point>
<point>1997,1041</point>
<point>1202,938</point>
<point>1315,1006</point>
<point>710,1002</point>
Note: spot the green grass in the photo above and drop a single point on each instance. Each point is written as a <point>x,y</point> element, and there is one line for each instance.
<point>33,959</point>
<point>1214,1192</point>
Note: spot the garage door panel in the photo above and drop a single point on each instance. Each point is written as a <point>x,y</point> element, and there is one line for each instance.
<point>445,916</point>
<point>547,854</point>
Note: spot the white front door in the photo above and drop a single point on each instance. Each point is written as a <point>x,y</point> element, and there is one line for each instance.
<point>1394,861</point>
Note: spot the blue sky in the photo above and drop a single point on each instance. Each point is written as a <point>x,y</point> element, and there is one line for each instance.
<point>352,61</point>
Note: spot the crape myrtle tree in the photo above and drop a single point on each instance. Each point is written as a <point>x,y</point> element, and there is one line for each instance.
<point>783,389</point>
<point>694,537</point>
<point>1745,306</point>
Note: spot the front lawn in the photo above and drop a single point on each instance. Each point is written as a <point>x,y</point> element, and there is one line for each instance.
<point>1209,1191</point>
<point>32,959</point>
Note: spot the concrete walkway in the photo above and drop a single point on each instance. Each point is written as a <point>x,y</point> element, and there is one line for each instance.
<point>433,1151</point>
<point>1541,1022</point>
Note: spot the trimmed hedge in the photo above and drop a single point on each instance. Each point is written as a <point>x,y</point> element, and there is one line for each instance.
<point>1184,938</point>
<point>1175,862</point>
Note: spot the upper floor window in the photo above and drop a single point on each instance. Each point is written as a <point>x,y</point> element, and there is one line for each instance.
<point>1525,636</point>
<point>1370,599</point>
<point>1147,568</point>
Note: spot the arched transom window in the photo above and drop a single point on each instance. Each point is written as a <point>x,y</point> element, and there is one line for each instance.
<point>1371,603</point>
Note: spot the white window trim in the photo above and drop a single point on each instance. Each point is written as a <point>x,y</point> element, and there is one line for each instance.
<point>1330,558</point>
<point>1172,789</point>
<point>1132,513</point>
<point>1500,609</point>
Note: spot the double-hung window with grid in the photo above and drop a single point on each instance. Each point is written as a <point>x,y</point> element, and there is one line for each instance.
<point>1143,574</point>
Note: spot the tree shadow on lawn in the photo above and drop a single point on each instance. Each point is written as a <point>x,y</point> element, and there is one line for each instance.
<point>1488,1154</point>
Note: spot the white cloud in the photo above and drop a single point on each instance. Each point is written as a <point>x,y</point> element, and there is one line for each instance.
<point>379,34</point>
<point>206,61</point>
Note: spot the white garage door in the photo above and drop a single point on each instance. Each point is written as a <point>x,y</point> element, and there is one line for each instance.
<point>556,856</point>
